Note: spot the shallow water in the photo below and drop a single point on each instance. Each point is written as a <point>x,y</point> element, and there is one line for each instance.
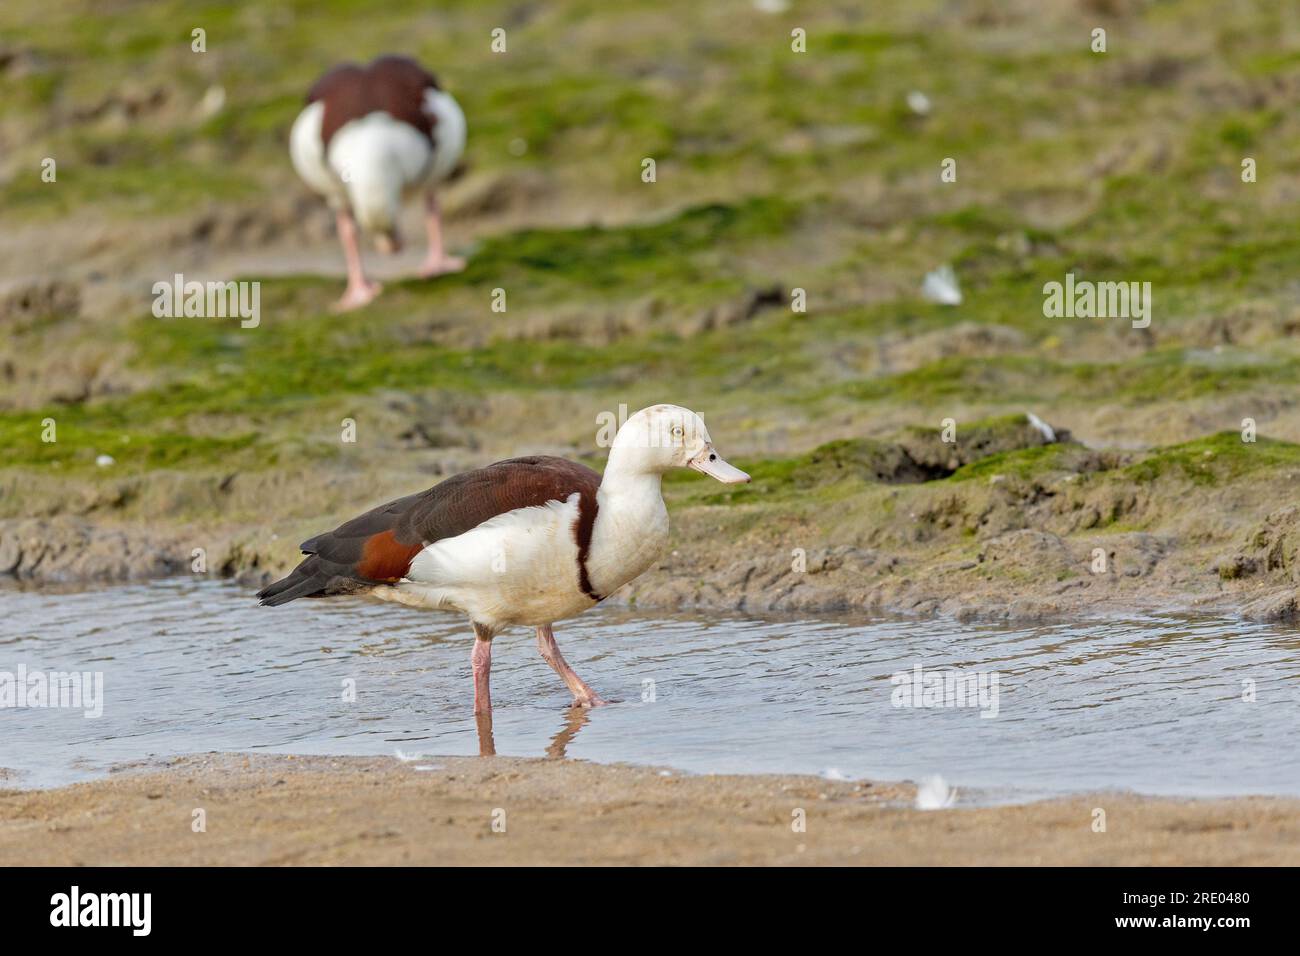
<point>1154,706</point>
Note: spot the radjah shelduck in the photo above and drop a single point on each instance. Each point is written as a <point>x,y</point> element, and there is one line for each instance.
<point>370,137</point>
<point>527,541</point>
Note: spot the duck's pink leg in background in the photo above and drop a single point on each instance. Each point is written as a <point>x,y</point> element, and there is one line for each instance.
<point>437,262</point>
<point>360,290</point>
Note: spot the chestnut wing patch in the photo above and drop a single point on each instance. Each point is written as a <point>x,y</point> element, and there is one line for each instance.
<point>384,558</point>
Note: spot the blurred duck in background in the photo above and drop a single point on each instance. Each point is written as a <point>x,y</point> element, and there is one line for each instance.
<point>370,137</point>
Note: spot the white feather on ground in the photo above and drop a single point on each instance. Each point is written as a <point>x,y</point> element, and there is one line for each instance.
<point>918,103</point>
<point>941,286</point>
<point>213,100</point>
<point>933,793</point>
<point>1043,428</point>
<point>410,758</point>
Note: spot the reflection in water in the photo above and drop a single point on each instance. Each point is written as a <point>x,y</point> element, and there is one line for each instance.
<point>575,719</point>
<point>1154,705</point>
<point>487,745</point>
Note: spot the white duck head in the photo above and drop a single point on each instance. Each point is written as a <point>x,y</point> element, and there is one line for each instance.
<point>662,437</point>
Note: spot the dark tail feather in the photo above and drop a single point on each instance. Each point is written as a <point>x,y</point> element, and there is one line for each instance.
<point>303,581</point>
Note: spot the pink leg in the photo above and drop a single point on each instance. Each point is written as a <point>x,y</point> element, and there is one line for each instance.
<point>481,660</point>
<point>583,695</point>
<point>360,290</point>
<point>437,262</point>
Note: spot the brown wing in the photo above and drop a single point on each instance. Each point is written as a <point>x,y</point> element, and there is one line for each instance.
<point>337,78</point>
<point>392,84</point>
<point>397,85</point>
<point>378,546</point>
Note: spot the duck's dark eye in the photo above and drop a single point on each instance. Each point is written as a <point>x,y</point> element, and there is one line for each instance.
<point>713,457</point>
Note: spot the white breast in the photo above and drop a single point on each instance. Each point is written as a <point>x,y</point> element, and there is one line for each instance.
<point>630,533</point>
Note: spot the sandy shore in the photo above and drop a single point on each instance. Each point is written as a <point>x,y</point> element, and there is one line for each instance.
<point>276,810</point>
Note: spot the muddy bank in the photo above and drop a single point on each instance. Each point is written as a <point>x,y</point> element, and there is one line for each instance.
<point>274,810</point>
<point>67,551</point>
<point>1002,525</point>
<point>836,580</point>
<point>846,580</point>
